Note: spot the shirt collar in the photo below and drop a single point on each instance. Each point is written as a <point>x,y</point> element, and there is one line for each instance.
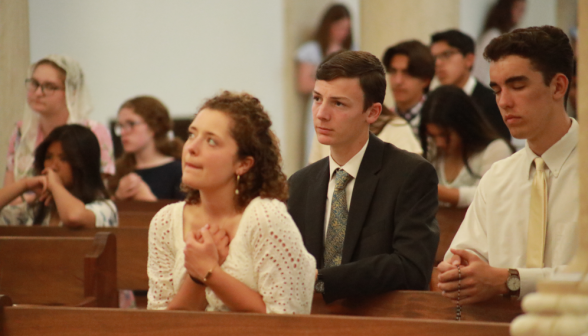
<point>352,166</point>
<point>468,88</point>
<point>556,155</point>
<point>413,111</point>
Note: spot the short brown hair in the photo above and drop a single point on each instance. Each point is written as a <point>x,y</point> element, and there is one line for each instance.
<point>547,48</point>
<point>421,63</point>
<point>251,130</point>
<point>357,64</point>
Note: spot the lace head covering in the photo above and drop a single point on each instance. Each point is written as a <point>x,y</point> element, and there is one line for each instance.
<point>78,104</point>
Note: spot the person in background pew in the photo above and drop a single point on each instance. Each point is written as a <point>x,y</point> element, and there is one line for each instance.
<point>235,192</point>
<point>57,94</point>
<point>68,184</point>
<point>454,56</point>
<point>522,225</point>
<point>149,169</point>
<point>333,34</point>
<point>459,142</point>
<point>410,67</point>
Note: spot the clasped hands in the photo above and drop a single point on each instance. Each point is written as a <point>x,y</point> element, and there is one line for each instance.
<point>132,186</point>
<point>43,184</point>
<point>205,250</point>
<point>479,280</point>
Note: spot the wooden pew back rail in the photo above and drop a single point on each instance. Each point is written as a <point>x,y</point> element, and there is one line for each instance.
<point>59,270</point>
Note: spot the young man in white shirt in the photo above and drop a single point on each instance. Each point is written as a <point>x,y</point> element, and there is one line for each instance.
<point>522,224</point>
<point>367,211</point>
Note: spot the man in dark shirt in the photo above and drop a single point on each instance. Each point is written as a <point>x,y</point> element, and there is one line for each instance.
<point>454,58</point>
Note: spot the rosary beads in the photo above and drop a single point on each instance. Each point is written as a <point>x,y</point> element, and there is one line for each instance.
<point>458,306</point>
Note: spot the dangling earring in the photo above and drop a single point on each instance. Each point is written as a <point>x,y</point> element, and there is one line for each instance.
<point>237,189</point>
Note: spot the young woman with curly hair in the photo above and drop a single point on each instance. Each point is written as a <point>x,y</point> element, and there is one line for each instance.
<point>235,194</point>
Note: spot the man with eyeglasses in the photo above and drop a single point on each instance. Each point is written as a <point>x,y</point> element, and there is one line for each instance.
<point>454,58</point>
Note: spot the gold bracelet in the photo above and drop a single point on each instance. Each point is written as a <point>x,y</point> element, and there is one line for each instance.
<point>208,274</point>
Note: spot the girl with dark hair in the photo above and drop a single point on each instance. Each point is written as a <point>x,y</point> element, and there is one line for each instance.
<point>67,183</point>
<point>459,142</point>
<point>502,18</point>
<point>332,35</point>
<point>149,169</point>
<point>235,192</point>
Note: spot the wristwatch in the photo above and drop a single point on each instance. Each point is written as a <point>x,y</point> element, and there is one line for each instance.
<point>513,283</point>
<point>319,285</point>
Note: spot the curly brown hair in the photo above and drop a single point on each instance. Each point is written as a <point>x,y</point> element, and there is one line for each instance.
<point>251,130</point>
<point>156,116</point>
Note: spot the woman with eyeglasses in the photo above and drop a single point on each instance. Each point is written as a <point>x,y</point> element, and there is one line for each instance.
<point>56,95</point>
<point>150,167</point>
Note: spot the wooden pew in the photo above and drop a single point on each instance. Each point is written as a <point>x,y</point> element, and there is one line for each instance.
<point>137,213</point>
<point>54,321</point>
<point>131,255</point>
<point>419,305</point>
<point>60,270</point>
<point>449,220</point>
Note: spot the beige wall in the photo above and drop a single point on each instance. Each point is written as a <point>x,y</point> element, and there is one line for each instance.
<point>387,22</point>
<point>14,62</point>
<point>567,10</point>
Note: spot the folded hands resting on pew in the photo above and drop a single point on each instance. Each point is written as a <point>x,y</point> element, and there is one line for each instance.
<point>132,186</point>
<point>48,187</point>
<point>479,280</point>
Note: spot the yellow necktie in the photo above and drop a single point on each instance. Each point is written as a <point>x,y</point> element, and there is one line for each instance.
<point>537,217</point>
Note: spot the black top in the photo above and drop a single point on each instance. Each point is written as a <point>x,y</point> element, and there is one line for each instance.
<point>164,180</point>
<point>486,100</point>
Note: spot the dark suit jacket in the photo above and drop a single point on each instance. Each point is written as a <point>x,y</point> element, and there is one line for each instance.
<point>486,100</point>
<point>391,235</point>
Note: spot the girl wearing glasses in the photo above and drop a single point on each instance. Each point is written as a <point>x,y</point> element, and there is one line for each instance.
<point>150,166</point>
<point>67,184</point>
<point>56,95</point>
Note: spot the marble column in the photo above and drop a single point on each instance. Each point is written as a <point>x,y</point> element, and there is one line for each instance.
<point>14,63</point>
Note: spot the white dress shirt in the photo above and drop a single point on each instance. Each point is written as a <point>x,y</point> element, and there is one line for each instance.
<point>495,226</point>
<point>351,167</point>
<point>480,163</point>
<point>470,85</point>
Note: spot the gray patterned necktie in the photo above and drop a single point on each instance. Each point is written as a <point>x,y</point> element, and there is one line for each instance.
<point>337,220</point>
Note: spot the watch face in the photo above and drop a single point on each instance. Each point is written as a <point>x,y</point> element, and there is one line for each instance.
<point>319,287</point>
<point>513,283</point>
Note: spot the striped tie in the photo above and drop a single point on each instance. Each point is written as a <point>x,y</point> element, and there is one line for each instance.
<point>337,220</point>
<point>537,217</point>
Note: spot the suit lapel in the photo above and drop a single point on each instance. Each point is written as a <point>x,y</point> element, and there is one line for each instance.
<point>363,191</point>
<point>315,215</point>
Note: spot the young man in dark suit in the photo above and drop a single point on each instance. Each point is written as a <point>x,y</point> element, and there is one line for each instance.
<point>367,211</point>
<point>454,58</point>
